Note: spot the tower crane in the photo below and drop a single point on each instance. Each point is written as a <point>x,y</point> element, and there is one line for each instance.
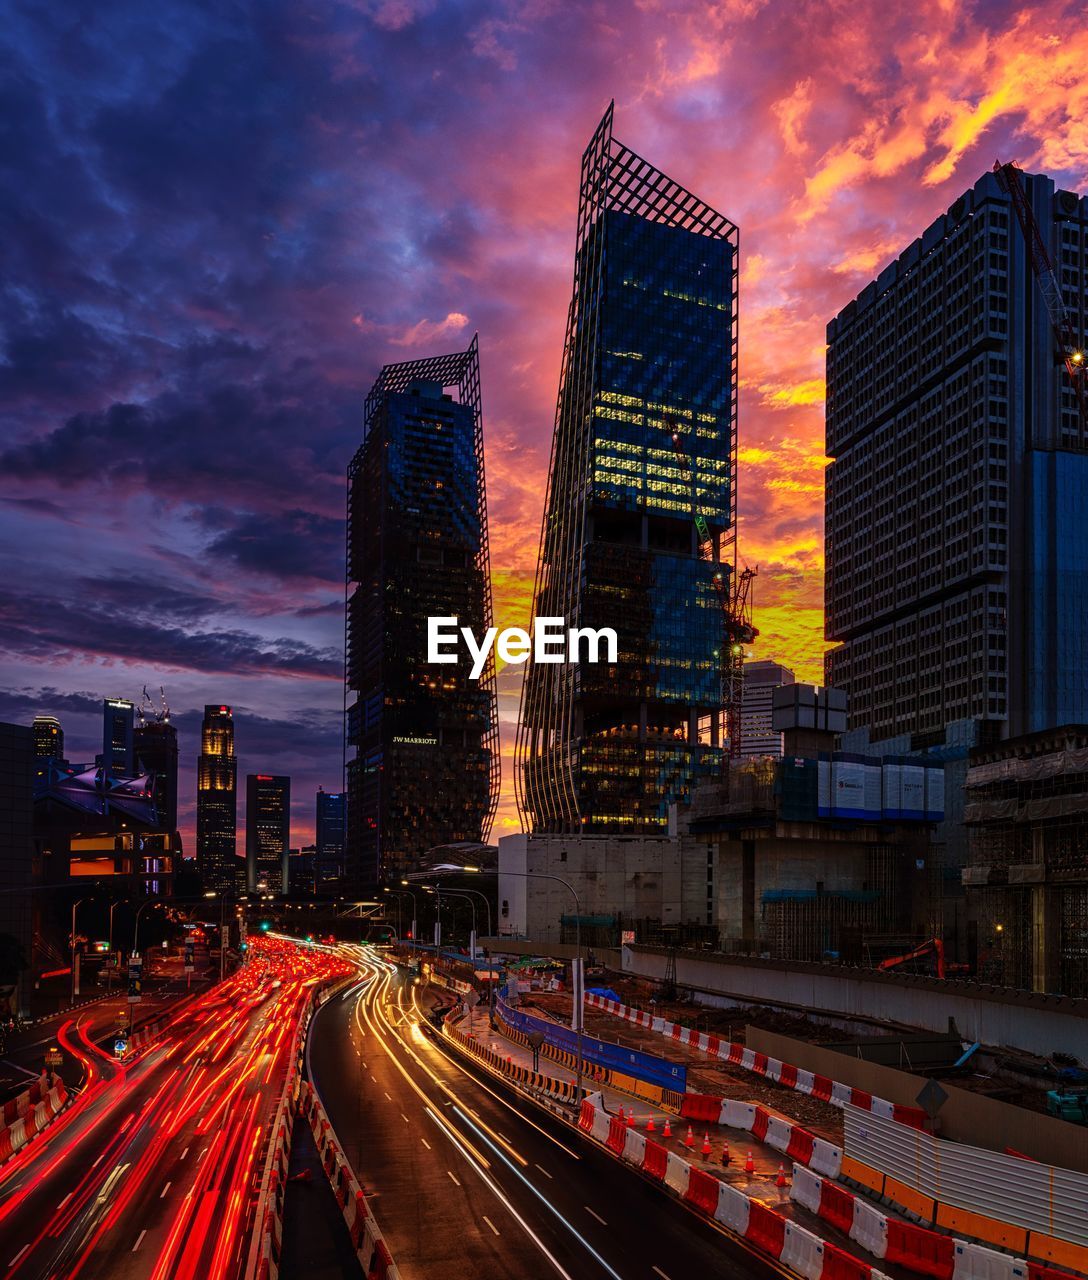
<point>734,600</point>
<point>1065,334</point>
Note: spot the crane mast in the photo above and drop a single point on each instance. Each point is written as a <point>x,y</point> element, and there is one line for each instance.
<point>735,604</point>
<point>1065,334</point>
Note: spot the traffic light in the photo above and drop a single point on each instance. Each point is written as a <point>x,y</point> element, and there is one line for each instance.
<point>265,925</point>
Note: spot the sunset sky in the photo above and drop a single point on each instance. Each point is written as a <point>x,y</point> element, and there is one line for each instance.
<point>219,221</point>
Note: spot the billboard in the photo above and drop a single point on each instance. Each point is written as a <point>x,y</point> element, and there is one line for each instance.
<point>935,793</point>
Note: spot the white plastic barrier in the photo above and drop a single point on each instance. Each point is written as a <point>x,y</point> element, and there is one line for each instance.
<point>659,1025</point>
<point>841,1094</point>
<point>882,1107</point>
<point>805,1080</point>
<point>975,1262</point>
<point>748,1059</point>
<point>869,1228</point>
<point>634,1147</point>
<point>778,1133</point>
<point>802,1252</point>
<point>738,1115</point>
<point>601,1122</point>
<point>677,1174</point>
<point>826,1158</point>
<point>774,1069</point>
<point>732,1210</point>
<point>806,1188</point>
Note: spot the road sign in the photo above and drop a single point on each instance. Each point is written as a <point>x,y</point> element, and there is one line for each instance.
<point>189,956</point>
<point>135,978</point>
<point>932,1098</point>
<point>53,1058</point>
<point>120,1047</point>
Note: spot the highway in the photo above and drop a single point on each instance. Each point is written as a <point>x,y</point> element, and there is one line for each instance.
<point>150,1173</point>
<point>472,1180</point>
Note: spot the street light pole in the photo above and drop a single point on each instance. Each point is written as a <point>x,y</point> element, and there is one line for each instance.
<point>136,929</point>
<point>75,904</point>
<point>109,966</point>
<point>542,875</point>
<point>415,917</point>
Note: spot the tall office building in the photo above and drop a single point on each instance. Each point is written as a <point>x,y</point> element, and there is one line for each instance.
<point>758,737</point>
<point>155,746</point>
<point>957,532</point>
<point>18,749</point>
<point>118,726</point>
<point>48,738</point>
<point>329,837</point>
<point>426,765</point>
<point>268,833</point>
<point>217,803</point>
<point>650,351</point>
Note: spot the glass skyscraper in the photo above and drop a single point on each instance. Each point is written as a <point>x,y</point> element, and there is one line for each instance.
<point>217,803</point>
<point>268,833</point>
<point>426,768</point>
<point>650,351</point>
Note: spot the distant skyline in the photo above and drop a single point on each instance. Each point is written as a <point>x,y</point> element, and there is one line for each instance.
<point>218,225</point>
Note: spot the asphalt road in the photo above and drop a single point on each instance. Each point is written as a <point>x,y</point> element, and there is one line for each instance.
<point>150,1173</point>
<point>470,1179</point>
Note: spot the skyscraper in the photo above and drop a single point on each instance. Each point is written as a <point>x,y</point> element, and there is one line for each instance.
<point>650,352</point>
<point>957,533</point>
<point>758,737</point>
<point>155,746</point>
<point>268,833</point>
<point>426,765</point>
<point>118,724</point>
<point>48,738</point>
<point>217,803</point>
<point>329,837</point>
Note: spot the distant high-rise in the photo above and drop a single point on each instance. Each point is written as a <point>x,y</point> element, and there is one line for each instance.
<point>651,350</point>
<point>156,752</point>
<point>217,803</point>
<point>957,529</point>
<point>48,738</point>
<point>426,764</point>
<point>118,726</point>
<point>329,836</point>
<point>758,738</point>
<point>268,833</point>
<point>18,746</point>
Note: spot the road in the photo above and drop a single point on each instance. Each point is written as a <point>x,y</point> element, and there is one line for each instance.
<point>473,1180</point>
<point>151,1172</point>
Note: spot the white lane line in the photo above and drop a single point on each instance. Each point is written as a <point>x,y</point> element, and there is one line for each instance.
<point>594,1215</point>
<point>450,1172</point>
<point>404,1118</point>
<point>491,1224</point>
<point>165,1190</point>
<point>426,1143</point>
<point>99,1160</point>
<point>63,1202</point>
<point>543,1171</point>
<point>388,1095</point>
<point>202,1154</point>
<point>139,1240</point>
<point>19,1255</point>
<point>658,1271</point>
<point>184,1154</point>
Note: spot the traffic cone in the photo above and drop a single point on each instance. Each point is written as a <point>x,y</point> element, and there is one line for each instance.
<point>667,1131</point>
<point>651,1127</point>
<point>689,1141</point>
<point>780,1181</point>
<point>725,1153</point>
<point>619,1113</point>
<point>631,1118</point>
<point>749,1165</point>
<point>706,1144</point>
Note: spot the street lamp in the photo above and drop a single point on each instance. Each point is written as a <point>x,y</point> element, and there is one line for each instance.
<point>415,917</point>
<point>151,902</point>
<point>75,904</point>
<point>109,965</point>
<point>542,875</point>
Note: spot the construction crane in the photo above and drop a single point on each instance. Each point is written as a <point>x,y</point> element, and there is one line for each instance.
<point>1065,333</point>
<point>735,602</point>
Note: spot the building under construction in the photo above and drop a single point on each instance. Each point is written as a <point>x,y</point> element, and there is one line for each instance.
<point>1027,876</point>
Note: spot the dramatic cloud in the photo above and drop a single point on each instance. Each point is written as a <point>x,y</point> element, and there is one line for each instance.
<point>218,222</point>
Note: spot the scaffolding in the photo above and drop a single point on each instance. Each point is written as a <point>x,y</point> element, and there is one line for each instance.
<point>1026,810</point>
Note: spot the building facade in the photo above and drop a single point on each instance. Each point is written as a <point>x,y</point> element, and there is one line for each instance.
<point>329,837</point>
<point>425,736</point>
<point>268,833</point>
<point>650,355</point>
<point>118,728</point>
<point>758,735</point>
<point>18,750</point>
<point>48,738</point>
<point>955,537</point>
<point>221,870</point>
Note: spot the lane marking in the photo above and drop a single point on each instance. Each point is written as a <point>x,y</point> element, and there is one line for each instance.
<point>184,1154</point>
<point>167,1188</point>
<point>202,1155</point>
<point>543,1171</point>
<point>594,1215</point>
<point>388,1095</point>
<point>405,1118</point>
<point>63,1202</point>
<point>491,1224</point>
<point>658,1271</point>
<point>426,1143</point>
<point>452,1175</point>
<point>19,1255</point>
<point>99,1160</point>
<point>139,1240</point>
